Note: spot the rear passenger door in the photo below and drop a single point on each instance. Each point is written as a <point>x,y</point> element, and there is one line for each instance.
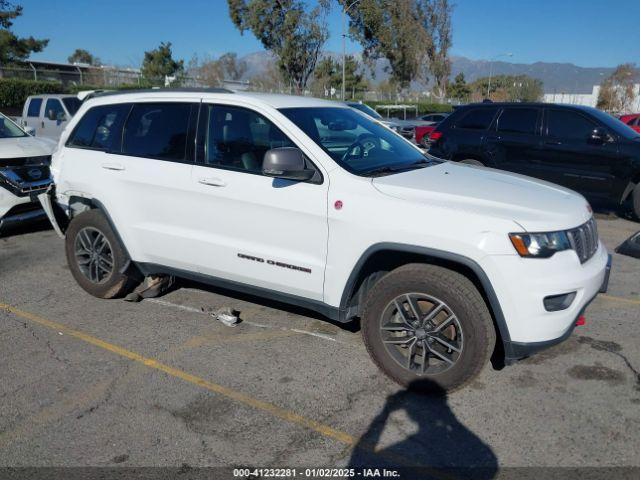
<point>514,141</point>
<point>253,229</point>
<point>135,160</point>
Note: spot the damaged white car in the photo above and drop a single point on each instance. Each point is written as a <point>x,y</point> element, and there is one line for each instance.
<point>24,173</point>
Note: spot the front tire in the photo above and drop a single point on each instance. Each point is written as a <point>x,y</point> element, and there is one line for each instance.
<point>428,328</point>
<point>95,256</point>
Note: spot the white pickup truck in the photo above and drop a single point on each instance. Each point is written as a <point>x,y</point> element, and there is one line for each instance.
<point>48,115</point>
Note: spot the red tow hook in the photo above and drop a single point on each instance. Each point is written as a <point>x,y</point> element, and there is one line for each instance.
<point>581,321</point>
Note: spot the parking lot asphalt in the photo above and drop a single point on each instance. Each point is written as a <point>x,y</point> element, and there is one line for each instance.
<point>88,382</point>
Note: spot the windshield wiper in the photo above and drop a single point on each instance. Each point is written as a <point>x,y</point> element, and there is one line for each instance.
<point>398,168</point>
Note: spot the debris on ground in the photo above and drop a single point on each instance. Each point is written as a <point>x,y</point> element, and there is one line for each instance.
<point>227,316</point>
<point>152,286</point>
<point>631,246</point>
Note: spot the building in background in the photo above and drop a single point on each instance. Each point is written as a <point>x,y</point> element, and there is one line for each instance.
<point>589,99</point>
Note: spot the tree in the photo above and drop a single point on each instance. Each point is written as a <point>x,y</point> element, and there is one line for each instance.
<point>436,22</point>
<point>83,56</point>
<point>269,81</point>
<point>287,29</point>
<point>13,48</point>
<point>390,29</point>
<point>617,92</point>
<point>214,72</point>
<point>328,74</point>
<point>459,89</point>
<point>159,64</point>
<point>513,88</point>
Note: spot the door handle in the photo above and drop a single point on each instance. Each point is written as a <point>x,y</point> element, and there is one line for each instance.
<point>553,142</point>
<point>43,124</point>
<point>113,166</point>
<point>212,182</point>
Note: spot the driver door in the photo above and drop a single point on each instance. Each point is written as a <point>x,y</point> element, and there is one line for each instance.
<point>252,229</point>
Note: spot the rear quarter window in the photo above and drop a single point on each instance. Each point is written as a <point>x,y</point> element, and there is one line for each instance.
<point>100,128</point>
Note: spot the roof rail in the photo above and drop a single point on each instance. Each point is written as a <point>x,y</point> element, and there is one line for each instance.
<point>105,93</point>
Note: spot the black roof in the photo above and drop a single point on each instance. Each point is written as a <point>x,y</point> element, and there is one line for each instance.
<point>526,104</point>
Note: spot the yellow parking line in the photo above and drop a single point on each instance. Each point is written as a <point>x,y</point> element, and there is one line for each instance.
<point>619,299</point>
<point>240,397</point>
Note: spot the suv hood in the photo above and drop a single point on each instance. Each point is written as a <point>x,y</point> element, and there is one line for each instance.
<point>26,147</point>
<point>536,205</point>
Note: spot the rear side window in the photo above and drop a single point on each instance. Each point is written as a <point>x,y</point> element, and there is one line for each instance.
<point>100,128</point>
<point>34,107</point>
<point>477,119</point>
<point>157,130</point>
<point>568,125</point>
<point>518,120</point>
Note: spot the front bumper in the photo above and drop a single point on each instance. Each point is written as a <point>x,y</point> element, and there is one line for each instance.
<point>522,284</point>
<point>518,350</point>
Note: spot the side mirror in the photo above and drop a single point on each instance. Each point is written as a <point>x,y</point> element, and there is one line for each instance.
<point>288,163</point>
<point>598,136</point>
<point>30,131</point>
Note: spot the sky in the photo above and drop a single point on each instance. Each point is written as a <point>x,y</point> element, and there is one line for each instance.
<point>589,33</point>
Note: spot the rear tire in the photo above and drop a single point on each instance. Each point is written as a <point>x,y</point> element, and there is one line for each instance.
<point>96,258</point>
<point>463,322</point>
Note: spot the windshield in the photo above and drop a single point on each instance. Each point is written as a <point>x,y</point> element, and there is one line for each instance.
<point>8,129</point>
<point>72,104</point>
<point>614,124</point>
<point>366,109</point>
<point>356,142</point>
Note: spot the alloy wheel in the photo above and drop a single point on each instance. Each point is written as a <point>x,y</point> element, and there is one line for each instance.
<point>421,333</point>
<point>94,255</point>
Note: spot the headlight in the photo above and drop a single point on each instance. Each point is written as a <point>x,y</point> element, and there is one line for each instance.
<point>540,245</point>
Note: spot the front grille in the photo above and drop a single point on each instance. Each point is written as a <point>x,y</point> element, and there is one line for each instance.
<point>584,240</point>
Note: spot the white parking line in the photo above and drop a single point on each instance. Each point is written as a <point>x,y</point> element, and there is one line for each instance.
<point>189,309</point>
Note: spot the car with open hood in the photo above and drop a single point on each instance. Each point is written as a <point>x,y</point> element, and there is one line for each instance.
<point>309,202</point>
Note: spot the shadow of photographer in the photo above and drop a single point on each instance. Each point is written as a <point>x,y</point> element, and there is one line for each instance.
<point>442,447</point>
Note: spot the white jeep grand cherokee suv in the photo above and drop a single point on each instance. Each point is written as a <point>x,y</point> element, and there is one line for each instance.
<point>309,202</point>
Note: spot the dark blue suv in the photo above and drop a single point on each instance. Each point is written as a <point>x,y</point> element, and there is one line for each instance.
<point>578,147</point>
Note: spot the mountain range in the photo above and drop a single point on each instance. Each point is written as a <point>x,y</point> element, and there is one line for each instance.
<point>557,77</point>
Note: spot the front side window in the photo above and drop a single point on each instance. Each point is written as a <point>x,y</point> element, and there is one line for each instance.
<point>100,128</point>
<point>8,129</point>
<point>237,138</point>
<point>477,119</point>
<point>568,125</point>
<point>34,107</point>
<point>518,120</point>
<point>157,130</point>
<point>53,109</point>
<point>355,141</point>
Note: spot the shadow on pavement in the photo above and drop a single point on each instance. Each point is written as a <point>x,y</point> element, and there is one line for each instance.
<point>442,447</point>
<point>22,229</point>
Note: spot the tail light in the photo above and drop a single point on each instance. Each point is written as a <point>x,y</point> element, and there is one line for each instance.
<point>435,135</point>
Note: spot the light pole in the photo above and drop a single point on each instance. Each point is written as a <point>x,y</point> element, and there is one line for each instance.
<point>344,42</point>
<point>508,54</point>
